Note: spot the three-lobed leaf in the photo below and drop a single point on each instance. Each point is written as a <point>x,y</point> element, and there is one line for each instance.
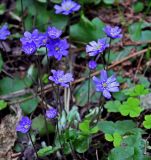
<point>112,106</point>
<point>147,122</point>
<point>131,107</point>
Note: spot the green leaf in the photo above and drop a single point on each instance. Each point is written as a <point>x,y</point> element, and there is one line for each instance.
<point>38,123</point>
<point>58,20</point>
<point>122,127</point>
<point>3,104</point>
<point>138,90</point>
<point>109,1</point>
<point>73,114</point>
<point>137,33</point>
<point>11,85</point>
<point>89,1</point>
<point>8,85</point>
<point>138,7</point>
<point>82,144</point>
<point>131,107</point>
<point>45,78</point>
<point>29,106</point>
<point>86,31</point>
<point>85,126</point>
<point>1,63</point>
<point>109,137</point>
<point>2,8</point>
<point>117,139</point>
<point>42,1</point>
<point>143,80</point>
<point>112,106</point>
<point>46,151</point>
<point>121,153</point>
<point>81,93</point>
<point>147,122</point>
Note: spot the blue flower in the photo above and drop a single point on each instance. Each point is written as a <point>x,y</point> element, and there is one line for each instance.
<point>51,113</point>
<point>29,48</point>
<point>67,7</point>
<point>60,78</point>
<point>57,48</point>
<point>54,33</point>
<point>95,48</point>
<point>34,37</point>
<point>4,32</point>
<point>92,64</point>
<point>113,32</point>
<point>106,85</point>
<point>24,125</point>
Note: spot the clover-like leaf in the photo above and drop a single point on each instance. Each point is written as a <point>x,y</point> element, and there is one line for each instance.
<point>115,138</point>
<point>136,91</point>
<point>3,104</point>
<point>131,107</point>
<point>147,122</point>
<point>113,106</point>
<point>109,137</point>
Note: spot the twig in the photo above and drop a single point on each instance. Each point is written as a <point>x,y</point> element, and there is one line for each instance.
<point>97,157</point>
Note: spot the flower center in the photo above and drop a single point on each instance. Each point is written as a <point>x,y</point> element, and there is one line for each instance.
<point>104,85</point>
<point>57,48</point>
<point>60,80</point>
<point>26,126</point>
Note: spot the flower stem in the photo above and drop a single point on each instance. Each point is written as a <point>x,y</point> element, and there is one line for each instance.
<point>108,58</point>
<point>59,100</point>
<point>42,94</point>
<point>29,136</point>
<point>22,12</point>
<point>89,88</point>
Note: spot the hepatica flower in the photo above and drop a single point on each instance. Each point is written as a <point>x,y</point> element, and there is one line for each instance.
<point>95,48</point>
<point>60,78</point>
<point>92,64</point>
<point>51,113</point>
<point>31,37</point>
<point>54,33</point>
<point>113,32</point>
<point>29,48</point>
<point>4,32</point>
<point>58,48</point>
<point>67,7</point>
<point>106,85</point>
<point>24,125</point>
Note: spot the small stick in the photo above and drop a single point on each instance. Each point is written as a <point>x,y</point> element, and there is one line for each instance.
<point>29,135</point>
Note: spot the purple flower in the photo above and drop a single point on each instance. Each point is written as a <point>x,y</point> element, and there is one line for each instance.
<point>51,113</point>
<point>95,48</point>
<point>67,7</point>
<point>54,33</point>
<point>106,85</point>
<point>24,125</point>
<point>29,48</point>
<point>60,78</point>
<point>32,37</point>
<point>92,64</point>
<point>113,32</point>
<point>43,39</point>
<point>4,32</point>
<point>57,48</point>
